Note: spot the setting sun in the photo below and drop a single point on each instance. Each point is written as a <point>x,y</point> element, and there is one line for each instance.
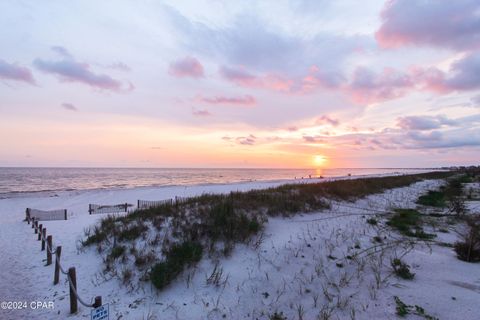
<point>319,160</point>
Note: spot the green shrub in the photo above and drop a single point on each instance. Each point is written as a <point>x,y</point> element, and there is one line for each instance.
<point>404,219</point>
<point>402,269</point>
<point>277,316</point>
<point>176,259</point>
<point>223,222</point>
<point>133,232</point>
<point>408,222</point>
<point>98,236</point>
<point>117,252</point>
<point>404,309</point>
<point>432,199</point>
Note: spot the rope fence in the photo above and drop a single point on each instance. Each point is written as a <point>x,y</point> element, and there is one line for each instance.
<point>48,247</point>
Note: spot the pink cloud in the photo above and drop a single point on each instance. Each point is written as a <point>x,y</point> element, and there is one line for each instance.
<point>327,120</point>
<point>11,71</point>
<point>292,129</point>
<point>464,75</point>
<point>243,78</point>
<point>451,24</point>
<point>318,77</point>
<point>242,100</point>
<point>366,85</point>
<point>186,67</point>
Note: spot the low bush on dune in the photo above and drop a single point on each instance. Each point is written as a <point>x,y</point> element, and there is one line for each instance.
<point>409,223</point>
<point>117,252</point>
<point>468,249</point>
<point>433,199</point>
<point>402,270</point>
<point>177,259</point>
<point>132,232</point>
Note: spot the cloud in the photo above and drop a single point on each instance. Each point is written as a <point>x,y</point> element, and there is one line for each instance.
<point>464,75</point>
<point>452,139</point>
<point>367,86</point>
<point>313,139</point>
<point>243,78</point>
<point>186,67</point>
<point>201,113</point>
<point>449,24</point>
<point>318,77</point>
<point>120,66</point>
<point>62,51</point>
<point>243,140</point>
<point>11,71</point>
<point>248,141</point>
<point>256,53</point>
<point>69,106</point>
<point>327,120</point>
<point>292,128</point>
<point>240,100</point>
<point>69,70</point>
<point>424,122</point>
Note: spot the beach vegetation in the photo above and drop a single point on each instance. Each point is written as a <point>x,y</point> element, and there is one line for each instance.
<point>401,269</point>
<point>117,252</point>
<point>433,199</point>
<point>177,233</point>
<point>409,223</point>
<point>177,258</point>
<point>468,248</point>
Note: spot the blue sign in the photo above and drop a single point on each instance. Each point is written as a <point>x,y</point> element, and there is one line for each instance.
<point>100,313</point>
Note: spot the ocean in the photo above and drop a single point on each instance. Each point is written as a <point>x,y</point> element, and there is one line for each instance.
<point>18,182</point>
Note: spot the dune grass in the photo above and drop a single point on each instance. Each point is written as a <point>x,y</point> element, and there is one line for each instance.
<point>409,223</point>
<point>181,232</point>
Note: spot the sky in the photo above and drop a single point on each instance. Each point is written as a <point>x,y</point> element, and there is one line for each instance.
<point>277,84</point>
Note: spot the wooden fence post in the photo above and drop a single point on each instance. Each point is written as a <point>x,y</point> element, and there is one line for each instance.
<point>49,248</point>
<point>126,206</point>
<point>40,226</point>
<point>98,302</point>
<point>138,204</point>
<point>36,226</point>
<point>56,276</point>
<point>89,209</point>
<point>27,215</point>
<point>33,222</point>
<point>65,212</point>
<point>73,283</point>
<point>44,233</point>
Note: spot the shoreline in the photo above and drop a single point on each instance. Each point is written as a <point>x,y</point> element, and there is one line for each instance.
<point>67,192</point>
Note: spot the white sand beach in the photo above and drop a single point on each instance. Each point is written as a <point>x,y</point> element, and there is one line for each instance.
<point>289,271</point>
